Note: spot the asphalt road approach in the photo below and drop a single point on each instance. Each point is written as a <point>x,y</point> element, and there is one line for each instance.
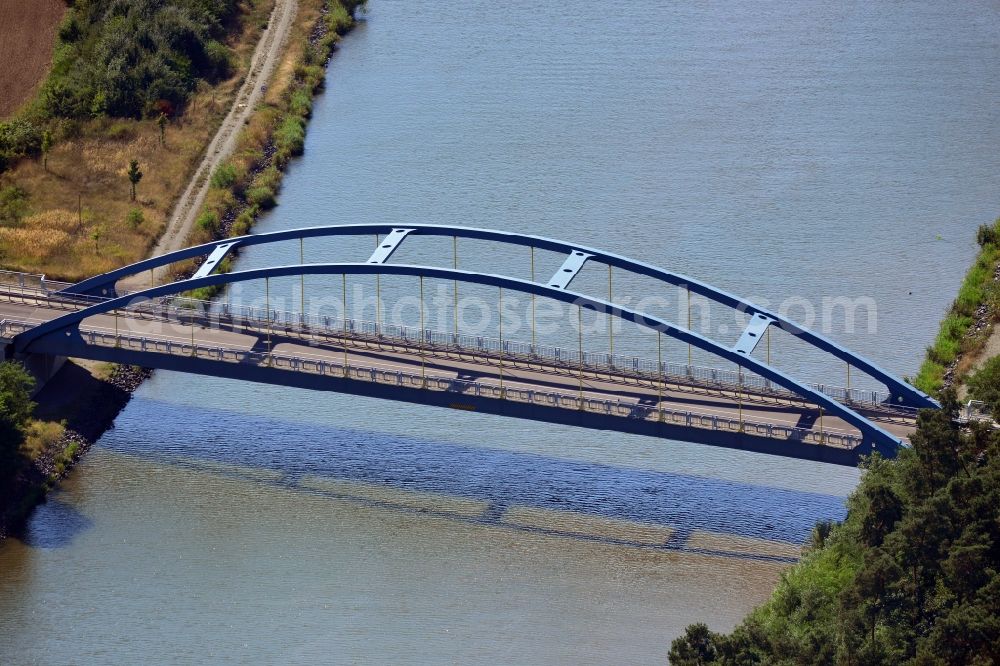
<point>464,365</point>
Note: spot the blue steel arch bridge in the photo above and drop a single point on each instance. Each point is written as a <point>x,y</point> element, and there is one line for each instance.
<point>745,402</point>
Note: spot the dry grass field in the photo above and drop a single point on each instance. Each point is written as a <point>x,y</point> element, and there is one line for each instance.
<point>79,209</point>
<point>27,34</point>
<point>80,218</point>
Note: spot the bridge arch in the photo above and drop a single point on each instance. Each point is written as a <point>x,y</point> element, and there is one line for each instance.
<point>872,434</point>
<point>901,392</point>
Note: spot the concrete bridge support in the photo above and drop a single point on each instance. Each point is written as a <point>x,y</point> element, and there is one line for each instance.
<point>42,367</point>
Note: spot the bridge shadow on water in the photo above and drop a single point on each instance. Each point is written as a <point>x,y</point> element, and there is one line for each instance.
<point>389,470</point>
<point>53,524</point>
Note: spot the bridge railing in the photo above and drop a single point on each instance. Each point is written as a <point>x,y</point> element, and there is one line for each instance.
<point>591,360</point>
<point>375,373</point>
<point>23,281</point>
<point>217,313</point>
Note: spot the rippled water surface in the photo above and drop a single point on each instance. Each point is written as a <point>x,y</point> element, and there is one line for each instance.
<point>776,149</point>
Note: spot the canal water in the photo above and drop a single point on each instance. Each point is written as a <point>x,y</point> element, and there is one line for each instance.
<point>801,150</point>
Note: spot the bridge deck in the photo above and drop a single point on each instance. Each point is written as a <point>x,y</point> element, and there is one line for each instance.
<point>630,396</point>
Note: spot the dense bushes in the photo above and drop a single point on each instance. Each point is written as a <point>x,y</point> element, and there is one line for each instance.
<point>124,59</point>
<point>132,58</point>
<point>208,222</point>
<point>224,176</point>
<point>15,411</point>
<point>18,138</point>
<point>13,205</point>
<point>911,577</point>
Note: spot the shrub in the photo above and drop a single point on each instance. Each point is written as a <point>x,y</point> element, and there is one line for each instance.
<point>120,131</point>
<point>270,178</point>
<point>42,435</point>
<point>224,177</point>
<point>987,235</point>
<point>291,135</point>
<point>69,29</point>
<point>135,218</point>
<point>219,60</point>
<point>15,394</point>
<point>339,19</point>
<point>311,76</point>
<point>13,205</point>
<point>243,221</point>
<point>19,138</point>
<point>15,410</point>
<point>242,224</point>
<point>300,103</point>
<point>208,221</point>
<point>261,196</point>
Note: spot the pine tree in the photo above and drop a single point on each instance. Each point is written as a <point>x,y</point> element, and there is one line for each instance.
<point>134,175</point>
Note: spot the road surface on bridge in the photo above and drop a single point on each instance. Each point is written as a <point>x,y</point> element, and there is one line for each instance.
<point>411,358</point>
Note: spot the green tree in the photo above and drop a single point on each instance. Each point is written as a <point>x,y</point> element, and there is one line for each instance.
<point>133,58</point>
<point>46,147</point>
<point>912,576</point>
<point>161,122</point>
<point>15,411</point>
<point>135,218</point>
<point>134,175</point>
<point>987,234</point>
<point>695,648</point>
<point>13,205</point>
<point>16,386</point>
<point>95,236</point>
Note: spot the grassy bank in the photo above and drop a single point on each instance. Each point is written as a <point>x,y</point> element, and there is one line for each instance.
<point>248,183</point>
<point>967,325</point>
<point>66,206</point>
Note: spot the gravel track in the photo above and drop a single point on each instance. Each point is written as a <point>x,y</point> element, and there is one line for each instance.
<point>265,60</point>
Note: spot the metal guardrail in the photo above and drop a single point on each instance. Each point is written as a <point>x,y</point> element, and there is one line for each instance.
<point>327,366</point>
<point>592,361</point>
<point>23,280</point>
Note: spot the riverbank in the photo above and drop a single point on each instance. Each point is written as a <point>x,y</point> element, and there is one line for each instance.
<point>247,184</point>
<point>66,210</point>
<point>87,398</point>
<point>67,206</point>
<point>73,410</point>
<point>966,330</point>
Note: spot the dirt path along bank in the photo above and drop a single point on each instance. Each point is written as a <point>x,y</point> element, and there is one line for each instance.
<point>265,60</point>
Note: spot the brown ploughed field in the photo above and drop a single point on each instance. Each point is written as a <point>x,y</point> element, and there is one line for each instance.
<point>27,33</point>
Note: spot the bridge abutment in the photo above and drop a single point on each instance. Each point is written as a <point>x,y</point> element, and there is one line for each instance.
<point>42,367</point>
